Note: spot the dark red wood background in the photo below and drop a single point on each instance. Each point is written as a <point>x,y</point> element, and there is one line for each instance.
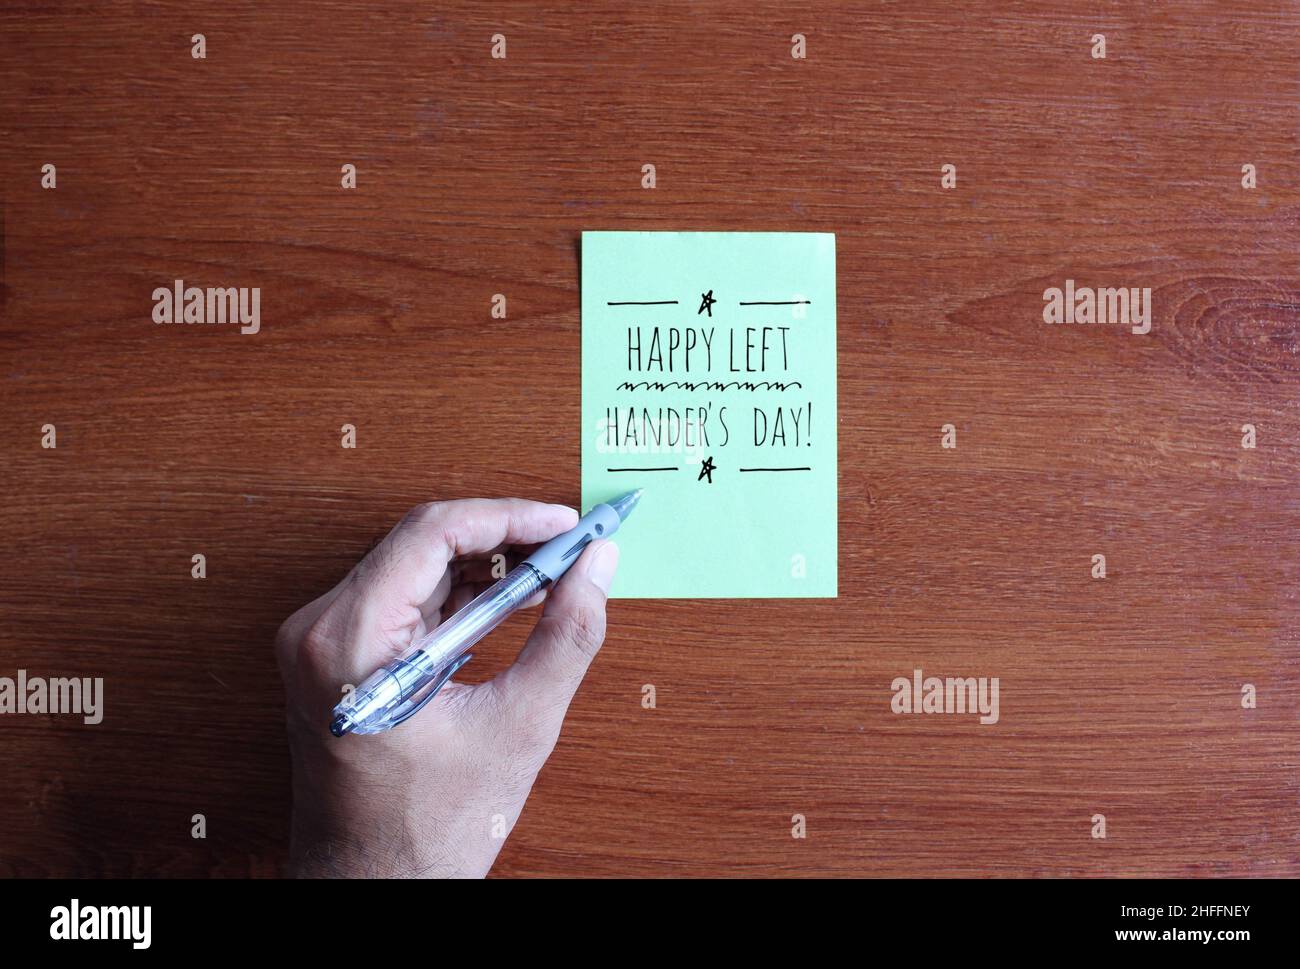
<point>476,176</point>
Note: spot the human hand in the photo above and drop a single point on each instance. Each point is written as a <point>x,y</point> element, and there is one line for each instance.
<point>437,795</point>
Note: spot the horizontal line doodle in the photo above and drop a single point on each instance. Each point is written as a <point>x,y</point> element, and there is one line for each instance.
<point>782,302</point>
<point>776,469</point>
<point>653,302</point>
<point>643,469</point>
<point>708,385</point>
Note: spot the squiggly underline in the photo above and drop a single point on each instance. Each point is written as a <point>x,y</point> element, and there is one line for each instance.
<point>709,385</point>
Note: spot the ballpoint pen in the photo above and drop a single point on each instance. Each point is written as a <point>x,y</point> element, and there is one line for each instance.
<point>396,692</point>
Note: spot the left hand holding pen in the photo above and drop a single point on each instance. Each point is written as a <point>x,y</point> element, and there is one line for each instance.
<point>434,796</point>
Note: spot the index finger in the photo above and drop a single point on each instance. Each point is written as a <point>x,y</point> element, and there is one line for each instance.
<point>401,573</point>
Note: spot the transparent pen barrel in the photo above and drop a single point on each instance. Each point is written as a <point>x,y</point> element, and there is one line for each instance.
<point>450,639</point>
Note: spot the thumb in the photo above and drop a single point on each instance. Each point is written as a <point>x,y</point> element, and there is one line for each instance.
<point>567,637</point>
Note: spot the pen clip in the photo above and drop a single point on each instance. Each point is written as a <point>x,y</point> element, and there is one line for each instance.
<point>413,706</point>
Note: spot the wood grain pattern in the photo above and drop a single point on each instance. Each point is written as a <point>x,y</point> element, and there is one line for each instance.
<point>476,177</point>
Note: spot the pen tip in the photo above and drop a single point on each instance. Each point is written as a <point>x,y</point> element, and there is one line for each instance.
<point>626,503</point>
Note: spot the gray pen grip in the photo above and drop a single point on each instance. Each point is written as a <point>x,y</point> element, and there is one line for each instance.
<point>554,558</point>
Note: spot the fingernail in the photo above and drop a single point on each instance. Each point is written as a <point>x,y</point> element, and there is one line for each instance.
<point>603,565</point>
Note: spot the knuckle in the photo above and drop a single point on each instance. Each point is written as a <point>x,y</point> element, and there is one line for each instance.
<point>422,522</point>
<point>432,525</point>
<point>320,635</point>
<point>289,633</point>
<point>292,634</point>
<point>422,511</point>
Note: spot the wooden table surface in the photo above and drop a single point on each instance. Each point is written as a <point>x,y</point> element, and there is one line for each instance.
<point>1119,696</point>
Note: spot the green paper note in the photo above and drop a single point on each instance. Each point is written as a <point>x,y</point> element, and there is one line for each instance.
<point>725,413</point>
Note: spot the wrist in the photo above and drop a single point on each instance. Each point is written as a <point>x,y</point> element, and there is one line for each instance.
<point>350,822</point>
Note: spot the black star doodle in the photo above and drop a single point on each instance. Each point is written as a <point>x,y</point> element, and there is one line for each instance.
<point>707,467</point>
<point>706,303</point>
